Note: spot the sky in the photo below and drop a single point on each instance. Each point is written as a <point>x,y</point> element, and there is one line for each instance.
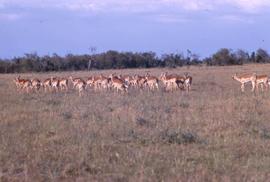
<point>163,26</point>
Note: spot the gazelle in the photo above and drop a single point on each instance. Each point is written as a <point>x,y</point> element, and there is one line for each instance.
<point>55,84</point>
<point>74,81</point>
<point>63,84</point>
<point>170,81</point>
<point>187,82</point>
<point>263,81</point>
<point>23,84</point>
<point>118,83</point>
<point>35,84</point>
<point>246,78</point>
<point>47,84</point>
<point>152,82</point>
<point>80,86</point>
<point>18,82</point>
<point>103,82</point>
<point>133,82</point>
<point>141,81</point>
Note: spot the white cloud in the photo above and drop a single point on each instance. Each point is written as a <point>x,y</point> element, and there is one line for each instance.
<point>169,18</point>
<point>249,5</point>
<point>236,18</point>
<point>10,16</point>
<point>140,5</point>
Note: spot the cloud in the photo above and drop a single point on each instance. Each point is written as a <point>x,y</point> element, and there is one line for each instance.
<point>236,18</point>
<point>9,16</point>
<point>169,18</point>
<point>140,5</point>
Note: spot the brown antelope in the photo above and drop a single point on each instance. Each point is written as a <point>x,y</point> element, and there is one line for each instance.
<point>98,82</point>
<point>35,84</point>
<point>170,81</point>
<point>152,82</point>
<point>246,78</point>
<point>23,84</point>
<point>118,84</point>
<point>80,86</point>
<point>63,84</point>
<point>18,82</point>
<point>133,82</point>
<point>47,84</point>
<point>74,81</point>
<point>90,82</point>
<point>55,84</point>
<point>263,81</point>
<point>103,82</point>
<point>187,82</point>
<point>141,81</point>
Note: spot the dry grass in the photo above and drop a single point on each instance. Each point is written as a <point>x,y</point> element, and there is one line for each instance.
<point>215,133</point>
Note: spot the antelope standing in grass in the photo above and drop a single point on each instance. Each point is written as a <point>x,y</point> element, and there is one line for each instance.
<point>103,82</point>
<point>246,78</point>
<point>152,82</point>
<point>80,86</point>
<point>63,84</point>
<point>36,84</point>
<point>74,81</point>
<point>170,81</point>
<point>263,81</point>
<point>133,82</point>
<point>187,82</point>
<point>18,82</point>
<point>118,83</point>
<point>55,84</point>
<point>141,81</point>
<point>23,84</point>
<point>47,84</point>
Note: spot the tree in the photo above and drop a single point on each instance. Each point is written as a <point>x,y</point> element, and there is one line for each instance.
<point>262,56</point>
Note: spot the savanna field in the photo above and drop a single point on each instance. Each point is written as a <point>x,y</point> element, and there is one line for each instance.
<point>213,133</point>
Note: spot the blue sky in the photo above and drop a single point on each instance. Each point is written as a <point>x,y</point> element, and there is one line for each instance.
<point>162,26</point>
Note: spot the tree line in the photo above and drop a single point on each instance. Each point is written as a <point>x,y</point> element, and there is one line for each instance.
<point>121,60</point>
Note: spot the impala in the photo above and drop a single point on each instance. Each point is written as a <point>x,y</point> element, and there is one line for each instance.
<point>187,82</point>
<point>35,84</point>
<point>118,84</point>
<point>80,86</point>
<point>263,81</point>
<point>246,78</point>
<point>18,82</point>
<point>141,81</point>
<point>47,84</point>
<point>74,81</point>
<point>63,84</point>
<point>55,84</point>
<point>152,82</point>
<point>23,84</point>
<point>170,81</point>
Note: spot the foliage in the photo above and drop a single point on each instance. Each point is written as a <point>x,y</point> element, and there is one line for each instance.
<point>120,60</point>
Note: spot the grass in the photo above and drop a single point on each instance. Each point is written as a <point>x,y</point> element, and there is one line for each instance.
<point>215,133</point>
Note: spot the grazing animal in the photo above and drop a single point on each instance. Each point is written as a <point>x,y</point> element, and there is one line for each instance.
<point>246,78</point>
<point>263,81</point>
<point>63,84</point>
<point>47,84</point>
<point>152,82</point>
<point>23,84</point>
<point>55,84</point>
<point>35,84</point>
<point>118,84</point>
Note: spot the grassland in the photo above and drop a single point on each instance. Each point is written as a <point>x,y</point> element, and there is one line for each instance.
<point>214,133</point>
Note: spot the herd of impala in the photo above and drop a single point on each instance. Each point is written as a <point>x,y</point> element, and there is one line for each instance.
<point>120,83</point>
<point>256,81</point>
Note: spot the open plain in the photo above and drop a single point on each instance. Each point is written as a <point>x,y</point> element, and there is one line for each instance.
<point>213,133</point>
